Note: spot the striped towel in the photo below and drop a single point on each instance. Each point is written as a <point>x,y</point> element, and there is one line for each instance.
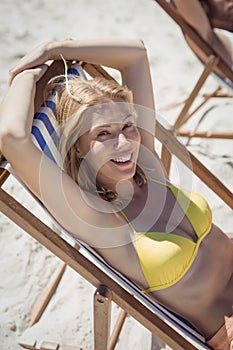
<point>45,125</point>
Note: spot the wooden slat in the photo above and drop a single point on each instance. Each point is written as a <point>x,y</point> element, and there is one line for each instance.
<point>183,116</point>
<point>102,317</point>
<point>96,71</point>
<point>3,176</point>
<point>167,138</point>
<point>44,298</point>
<point>55,69</point>
<point>117,329</point>
<point>206,134</point>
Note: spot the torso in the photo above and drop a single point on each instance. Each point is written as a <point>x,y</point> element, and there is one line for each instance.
<point>208,283</point>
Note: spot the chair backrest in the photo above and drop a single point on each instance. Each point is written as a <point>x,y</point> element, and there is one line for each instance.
<point>45,137</point>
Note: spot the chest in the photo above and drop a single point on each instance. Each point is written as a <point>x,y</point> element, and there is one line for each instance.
<point>159,211</point>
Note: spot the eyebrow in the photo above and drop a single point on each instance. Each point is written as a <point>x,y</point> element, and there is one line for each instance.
<point>109,125</point>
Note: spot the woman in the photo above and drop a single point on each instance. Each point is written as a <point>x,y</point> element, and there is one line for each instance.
<point>119,200</point>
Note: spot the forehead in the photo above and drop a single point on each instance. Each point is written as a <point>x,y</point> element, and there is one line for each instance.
<point>107,113</point>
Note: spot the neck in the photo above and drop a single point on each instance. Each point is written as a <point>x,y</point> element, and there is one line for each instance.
<point>127,189</point>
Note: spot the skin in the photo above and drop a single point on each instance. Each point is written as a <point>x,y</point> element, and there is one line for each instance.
<point>204,294</point>
<point>112,133</point>
<point>218,15</point>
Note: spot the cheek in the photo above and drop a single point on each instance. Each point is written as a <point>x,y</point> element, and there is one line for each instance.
<point>97,148</point>
<point>135,136</point>
<point>98,154</point>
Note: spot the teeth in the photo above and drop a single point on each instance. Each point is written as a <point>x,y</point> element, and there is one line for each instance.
<point>122,159</point>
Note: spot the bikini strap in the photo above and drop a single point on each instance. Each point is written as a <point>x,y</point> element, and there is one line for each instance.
<point>125,216</point>
<point>158,182</point>
<point>127,219</point>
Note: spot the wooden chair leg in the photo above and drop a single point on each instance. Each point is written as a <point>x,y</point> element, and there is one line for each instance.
<point>102,317</point>
<point>211,63</point>
<point>166,159</point>
<point>28,346</point>
<point>117,329</point>
<point>206,98</point>
<point>44,298</point>
<point>156,344</point>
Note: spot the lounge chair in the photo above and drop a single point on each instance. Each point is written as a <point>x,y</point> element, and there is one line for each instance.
<point>110,285</point>
<point>213,65</point>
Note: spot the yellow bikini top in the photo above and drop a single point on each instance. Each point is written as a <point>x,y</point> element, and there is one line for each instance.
<point>166,257</point>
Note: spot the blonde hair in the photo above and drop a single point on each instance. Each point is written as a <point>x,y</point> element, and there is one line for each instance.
<point>73,96</point>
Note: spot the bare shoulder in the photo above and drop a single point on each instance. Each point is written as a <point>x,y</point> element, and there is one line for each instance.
<point>87,216</point>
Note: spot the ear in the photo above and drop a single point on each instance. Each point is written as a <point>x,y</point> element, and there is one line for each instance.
<point>77,148</point>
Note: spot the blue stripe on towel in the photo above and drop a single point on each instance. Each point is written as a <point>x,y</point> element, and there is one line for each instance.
<point>51,104</point>
<point>73,71</point>
<point>41,141</point>
<point>43,117</point>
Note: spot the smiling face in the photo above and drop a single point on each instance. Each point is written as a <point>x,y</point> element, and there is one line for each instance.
<point>110,143</point>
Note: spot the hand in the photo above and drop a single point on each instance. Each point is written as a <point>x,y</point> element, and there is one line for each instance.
<point>34,58</point>
<point>37,73</point>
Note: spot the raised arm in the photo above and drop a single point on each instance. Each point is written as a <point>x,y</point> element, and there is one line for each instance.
<point>127,56</point>
<point>59,193</point>
<point>40,174</point>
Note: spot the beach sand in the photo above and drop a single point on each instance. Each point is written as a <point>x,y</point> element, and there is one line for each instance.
<point>26,266</point>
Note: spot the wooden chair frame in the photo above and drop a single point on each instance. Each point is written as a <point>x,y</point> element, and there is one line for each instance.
<point>213,62</point>
<point>107,290</point>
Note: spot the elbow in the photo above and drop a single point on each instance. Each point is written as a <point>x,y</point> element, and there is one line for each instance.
<point>5,141</point>
<point>8,142</point>
<point>138,48</point>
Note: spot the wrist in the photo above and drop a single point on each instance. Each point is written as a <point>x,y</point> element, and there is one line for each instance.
<point>30,76</point>
<point>55,49</point>
<point>51,50</point>
<point>26,76</point>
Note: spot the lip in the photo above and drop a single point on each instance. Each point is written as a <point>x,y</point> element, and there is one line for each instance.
<point>122,160</point>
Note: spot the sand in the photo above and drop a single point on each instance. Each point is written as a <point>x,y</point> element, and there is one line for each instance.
<point>26,267</point>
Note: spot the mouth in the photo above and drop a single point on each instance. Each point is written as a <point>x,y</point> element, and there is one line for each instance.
<point>122,160</point>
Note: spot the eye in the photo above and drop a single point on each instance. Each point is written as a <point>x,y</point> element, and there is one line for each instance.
<point>128,125</point>
<point>103,133</point>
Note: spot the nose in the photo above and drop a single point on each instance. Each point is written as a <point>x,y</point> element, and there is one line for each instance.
<point>121,141</point>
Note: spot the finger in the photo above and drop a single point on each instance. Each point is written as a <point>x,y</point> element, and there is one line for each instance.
<point>40,71</point>
<point>37,71</point>
<point>14,71</point>
<point>18,67</point>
